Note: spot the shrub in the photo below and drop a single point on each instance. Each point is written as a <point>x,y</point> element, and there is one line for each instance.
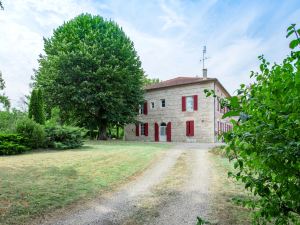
<point>265,141</point>
<point>12,144</point>
<point>32,131</point>
<point>64,137</point>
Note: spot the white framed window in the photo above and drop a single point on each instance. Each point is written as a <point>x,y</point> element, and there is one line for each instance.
<point>152,105</point>
<point>141,109</point>
<point>190,103</point>
<point>142,129</point>
<point>163,103</point>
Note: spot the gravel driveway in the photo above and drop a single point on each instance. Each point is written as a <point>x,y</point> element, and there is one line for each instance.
<point>191,201</point>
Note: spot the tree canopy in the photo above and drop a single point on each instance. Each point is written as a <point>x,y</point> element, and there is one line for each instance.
<point>91,71</point>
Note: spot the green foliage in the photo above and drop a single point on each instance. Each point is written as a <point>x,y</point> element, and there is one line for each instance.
<point>32,131</point>
<point>8,120</point>
<point>12,144</point>
<point>64,137</point>
<point>91,71</point>
<point>36,107</point>
<point>3,98</point>
<point>55,117</point>
<point>148,81</point>
<point>265,141</point>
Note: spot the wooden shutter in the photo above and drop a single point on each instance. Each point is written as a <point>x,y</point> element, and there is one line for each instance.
<point>218,106</point>
<point>145,108</point>
<point>195,102</point>
<point>183,102</point>
<point>137,129</point>
<point>156,132</point>
<point>169,134</point>
<point>218,127</point>
<point>187,128</point>
<point>192,128</point>
<point>146,129</point>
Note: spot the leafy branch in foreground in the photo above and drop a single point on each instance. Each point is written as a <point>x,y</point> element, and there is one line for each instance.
<point>265,141</point>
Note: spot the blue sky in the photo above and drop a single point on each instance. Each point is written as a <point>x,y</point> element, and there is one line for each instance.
<point>168,35</point>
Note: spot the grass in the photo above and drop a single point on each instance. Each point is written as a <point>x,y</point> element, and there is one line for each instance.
<point>37,183</point>
<point>225,211</point>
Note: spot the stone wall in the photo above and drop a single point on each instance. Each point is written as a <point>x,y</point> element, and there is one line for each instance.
<point>204,117</point>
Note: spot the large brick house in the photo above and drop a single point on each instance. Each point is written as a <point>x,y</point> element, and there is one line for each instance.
<point>178,110</point>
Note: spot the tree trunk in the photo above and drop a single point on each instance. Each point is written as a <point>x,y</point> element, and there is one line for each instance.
<point>102,135</point>
<point>117,132</point>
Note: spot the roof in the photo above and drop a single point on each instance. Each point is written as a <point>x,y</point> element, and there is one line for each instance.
<point>178,81</point>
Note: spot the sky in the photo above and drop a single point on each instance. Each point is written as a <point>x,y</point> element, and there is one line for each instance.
<point>168,35</point>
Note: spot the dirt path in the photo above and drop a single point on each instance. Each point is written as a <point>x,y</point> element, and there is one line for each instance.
<point>190,200</point>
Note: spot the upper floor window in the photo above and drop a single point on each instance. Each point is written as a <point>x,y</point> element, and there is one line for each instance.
<point>163,103</point>
<point>152,105</point>
<point>190,103</point>
<point>141,109</point>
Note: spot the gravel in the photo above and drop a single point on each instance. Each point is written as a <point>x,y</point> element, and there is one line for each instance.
<point>192,200</point>
<point>119,205</point>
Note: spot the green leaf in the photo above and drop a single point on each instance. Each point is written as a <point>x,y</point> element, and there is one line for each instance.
<point>230,114</point>
<point>294,43</point>
<point>234,102</point>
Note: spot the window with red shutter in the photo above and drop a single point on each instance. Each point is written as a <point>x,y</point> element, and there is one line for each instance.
<point>195,102</point>
<point>156,132</point>
<point>146,129</point>
<point>183,102</point>
<point>190,128</point>
<point>137,129</point>
<point>145,108</point>
<point>169,133</point>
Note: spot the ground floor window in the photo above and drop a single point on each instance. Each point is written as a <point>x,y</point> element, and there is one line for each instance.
<point>190,128</point>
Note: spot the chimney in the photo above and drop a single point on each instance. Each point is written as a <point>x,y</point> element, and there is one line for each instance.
<point>204,73</point>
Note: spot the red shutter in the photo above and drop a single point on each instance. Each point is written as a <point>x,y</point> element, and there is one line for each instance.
<point>146,129</point>
<point>169,133</point>
<point>195,102</point>
<point>183,102</point>
<point>192,128</point>
<point>137,129</point>
<point>156,132</point>
<point>145,108</point>
<point>187,128</point>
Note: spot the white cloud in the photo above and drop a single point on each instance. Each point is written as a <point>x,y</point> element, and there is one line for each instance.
<point>168,39</point>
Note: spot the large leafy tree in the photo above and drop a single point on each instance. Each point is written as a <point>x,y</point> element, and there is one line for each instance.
<point>91,71</point>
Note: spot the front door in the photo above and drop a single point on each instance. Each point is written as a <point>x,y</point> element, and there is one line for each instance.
<point>162,132</point>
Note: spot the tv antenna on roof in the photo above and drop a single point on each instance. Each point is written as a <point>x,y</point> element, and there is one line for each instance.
<point>203,57</point>
<point>203,62</point>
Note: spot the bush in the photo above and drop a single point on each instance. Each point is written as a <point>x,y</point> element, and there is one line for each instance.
<point>265,141</point>
<point>33,132</point>
<point>64,137</point>
<point>12,144</point>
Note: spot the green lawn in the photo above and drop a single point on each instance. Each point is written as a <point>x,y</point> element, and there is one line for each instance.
<point>38,182</point>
